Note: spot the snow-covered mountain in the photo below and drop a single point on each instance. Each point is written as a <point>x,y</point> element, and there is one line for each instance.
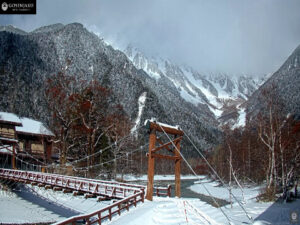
<point>28,59</point>
<point>221,93</point>
<point>282,88</point>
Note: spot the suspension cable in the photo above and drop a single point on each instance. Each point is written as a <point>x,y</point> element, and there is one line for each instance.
<point>195,173</point>
<point>106,148</point>
<point>221,180</point>
<point>125,155</point>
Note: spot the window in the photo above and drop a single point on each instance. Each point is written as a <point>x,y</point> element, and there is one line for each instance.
<point>37,148</point>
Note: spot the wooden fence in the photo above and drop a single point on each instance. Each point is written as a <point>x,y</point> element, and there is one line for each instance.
<point>130,194</point>
<point>107,212</point>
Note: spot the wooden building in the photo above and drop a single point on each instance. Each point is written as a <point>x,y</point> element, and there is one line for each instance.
<point>8,138</point>
<point>25,138</point>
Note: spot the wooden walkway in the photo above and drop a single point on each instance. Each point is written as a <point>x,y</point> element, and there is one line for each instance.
<point>128,194</point>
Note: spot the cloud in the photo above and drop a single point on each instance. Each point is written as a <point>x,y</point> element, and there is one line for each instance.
<point>234,36</point>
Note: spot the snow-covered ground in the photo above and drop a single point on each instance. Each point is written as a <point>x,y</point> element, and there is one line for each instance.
<point>28,206</point>
<point>245,194</point>
<point>32,204</point>
<point>185,211</point>
<point>129,177</point>
<point>195,211</point>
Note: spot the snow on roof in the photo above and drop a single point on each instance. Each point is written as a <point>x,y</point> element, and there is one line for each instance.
<point>27,125</point>
<point>33,127</point>
<point>10,118</point>
<point>153,120</point>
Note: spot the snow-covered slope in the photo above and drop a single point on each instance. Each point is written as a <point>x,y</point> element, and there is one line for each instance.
<point>221,93</point>
<point>39,54</point>
<point>283,87</point>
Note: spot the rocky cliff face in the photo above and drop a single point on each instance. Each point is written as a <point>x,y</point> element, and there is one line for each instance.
<point>28,59</point>
<point>218,95</point>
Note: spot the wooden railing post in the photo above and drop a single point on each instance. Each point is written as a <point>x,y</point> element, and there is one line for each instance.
<point>152,140</point>
<point>88,221</point>
<point>99,218</point>
<point>109,213</point>
<point>177,171</point>
<point>169,190</point>
<point>143,195</point>
<point>13,159</point>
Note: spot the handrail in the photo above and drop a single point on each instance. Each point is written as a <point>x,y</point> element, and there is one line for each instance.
<point>159,191</point>
<point>109,209</point>
<point>74,183</point>
<point>129,194</point>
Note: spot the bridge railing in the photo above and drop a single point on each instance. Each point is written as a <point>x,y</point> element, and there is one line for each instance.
<point>107,212</point>
<point>92,186</point>
<point>129,194</point>
<point>162,191</point>
<point>76,184</point>
<point>158,191</point>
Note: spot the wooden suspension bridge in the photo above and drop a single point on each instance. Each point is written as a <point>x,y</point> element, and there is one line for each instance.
<point>127,194</point>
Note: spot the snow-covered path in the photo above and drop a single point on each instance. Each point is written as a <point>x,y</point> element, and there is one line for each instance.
<point>34,204</point>
<point>169,211</point>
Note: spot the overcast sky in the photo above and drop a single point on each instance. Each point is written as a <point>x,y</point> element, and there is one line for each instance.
<point>231,36</point>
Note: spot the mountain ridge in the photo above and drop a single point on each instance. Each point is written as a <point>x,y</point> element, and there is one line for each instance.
<point>28,60</point>
<point>220,94</point>
<point>283,86</point>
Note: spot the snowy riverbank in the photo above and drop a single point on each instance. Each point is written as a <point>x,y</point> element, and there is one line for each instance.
<point>36,205</point>
<point>129,177</point>
<point>195,211</point>
<point>218,191</point>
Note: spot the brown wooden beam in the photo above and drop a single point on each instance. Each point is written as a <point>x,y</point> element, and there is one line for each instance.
<point>13,158</point>
<point>67,191</point>
<point>57,189</point>
<point>177,171</point>
<point>76,193</point>
<point>168,130</point>
<point>155,155</point>
<point>48,187</point>
<point>152,140</point>
<point>90,196</point>
<point>167,144</point>
<point>167,147</point>
<point>102,198</point>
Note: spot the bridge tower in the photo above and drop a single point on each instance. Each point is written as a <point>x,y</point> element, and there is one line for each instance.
<point>176,134</point>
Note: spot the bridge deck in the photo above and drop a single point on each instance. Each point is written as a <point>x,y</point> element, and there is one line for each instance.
<point>91,186</point>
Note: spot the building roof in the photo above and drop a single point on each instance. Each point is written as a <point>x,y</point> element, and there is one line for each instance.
<point>25,125</point>
<point>30,126</point>
<point>10,118</point>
